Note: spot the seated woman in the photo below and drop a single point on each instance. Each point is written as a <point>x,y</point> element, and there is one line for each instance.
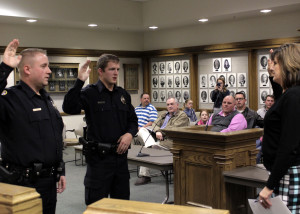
<point>203,118</point>
<point>188,109</point>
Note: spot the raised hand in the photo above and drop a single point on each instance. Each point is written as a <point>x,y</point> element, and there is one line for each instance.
<point>9,56</point>
<point>84,71</point>
<point>270,65</point>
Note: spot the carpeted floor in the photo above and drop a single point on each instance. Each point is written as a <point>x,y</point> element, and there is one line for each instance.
<point>72,199</point>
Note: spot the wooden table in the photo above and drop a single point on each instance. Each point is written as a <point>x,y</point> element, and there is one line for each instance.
<point>109,205</point>
<point>252,176</point>
<point>158,159</point>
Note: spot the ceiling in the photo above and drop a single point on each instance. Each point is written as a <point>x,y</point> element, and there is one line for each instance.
<point>136,15</point>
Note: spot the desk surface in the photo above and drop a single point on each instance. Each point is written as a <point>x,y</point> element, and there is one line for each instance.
<point>158,159</point>
<point>253,176</point>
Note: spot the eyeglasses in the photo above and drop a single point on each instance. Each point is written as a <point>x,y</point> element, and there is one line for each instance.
<point>237,99</point>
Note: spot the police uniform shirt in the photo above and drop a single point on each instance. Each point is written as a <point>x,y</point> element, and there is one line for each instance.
<point>30,126</point>
<point>109,114</point>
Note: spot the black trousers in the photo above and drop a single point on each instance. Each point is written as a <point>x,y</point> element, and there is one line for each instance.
<point>108,176</point>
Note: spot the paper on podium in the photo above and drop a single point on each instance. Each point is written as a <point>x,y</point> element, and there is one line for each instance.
<point>277,207</point>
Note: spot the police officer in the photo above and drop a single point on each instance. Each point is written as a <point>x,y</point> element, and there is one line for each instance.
<point>111,123</point>
<point>30,127</point>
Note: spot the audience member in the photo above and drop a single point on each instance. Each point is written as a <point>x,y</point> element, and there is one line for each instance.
<point>173,118</point>
<point>204,116</point>
<point>281,143</point>
<point>188,109</point>
<point>218,94</point>
<point>253,119</point>
<point>228,119</point>
<point>146,112</point>
<point>268,104</point>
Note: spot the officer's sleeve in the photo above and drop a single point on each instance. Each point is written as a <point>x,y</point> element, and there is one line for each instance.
<point>132,119</point>
<point>5,70</point>
<point>72,102</point>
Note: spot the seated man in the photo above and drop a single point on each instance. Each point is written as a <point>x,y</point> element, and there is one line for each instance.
<point>253,119</point>
<point>145,112</point>
<point>268,104</point>
<point>173,118</point>
<point>228,119</point>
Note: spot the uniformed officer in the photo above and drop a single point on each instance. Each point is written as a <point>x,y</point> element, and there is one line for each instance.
<point>30,126</point>
<point>111,123</point>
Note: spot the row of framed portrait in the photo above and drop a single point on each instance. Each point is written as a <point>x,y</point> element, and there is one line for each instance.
<point>171,81</point>
<point>61,73</point>
<point>162,95</point>
<point>60,85</point>
<point>233,80</point>
<point>170,67</point>
<point>225,62</point>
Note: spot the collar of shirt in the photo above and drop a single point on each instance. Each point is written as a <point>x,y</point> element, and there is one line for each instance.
<point>101,86</point>
<point>30,93</point>
<point>221,113</point>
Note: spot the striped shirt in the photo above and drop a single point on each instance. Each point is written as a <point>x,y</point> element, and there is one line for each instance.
<point>146,114</point>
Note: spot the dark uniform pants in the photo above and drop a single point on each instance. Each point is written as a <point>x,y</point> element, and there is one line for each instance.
<point>108,176</point>
<point>46,187</point>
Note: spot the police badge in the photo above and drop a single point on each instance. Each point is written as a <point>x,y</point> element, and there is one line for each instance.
<point>123,100</point>
<point>4,92</point>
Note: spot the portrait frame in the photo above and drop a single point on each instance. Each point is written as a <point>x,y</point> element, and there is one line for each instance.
<point>154,96</point>
<point>202,94</point>
<point>222,75</point>
<point>176,64</point>
<point>51,86</point>
<point>162,81</point>
<point>176,95</point>
<point>203,84</point>
<point>229,80</point>
<point>177,82</point>
<point>59,73</point>
<point>210,91</point>
<point>170,81</point>
<point>71,73</point>
<point>232,91</point>
<point>185,78</point>
<point>162,96</point>
<point>162,67</point>
<point>226,64</point>
<point>170,93</point>
<point>242,82</point>
<point>154,81</point>
<point>184,92</point>
<point>185,66</point>
<point>154,68</point>
<point>263,62</point>
<point>264,81</point>
<point>131,77</point>
<point>62,85</point>
<point>169,67</point>
<point>212,80</point>
<point>217,65</point>
<point>263,92</point>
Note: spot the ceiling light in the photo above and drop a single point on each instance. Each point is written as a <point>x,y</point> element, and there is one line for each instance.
<point>153,27</point>
<point>92,25</point>
<point>31,20</point>
<point>265,11</point>
<point>203,20</point>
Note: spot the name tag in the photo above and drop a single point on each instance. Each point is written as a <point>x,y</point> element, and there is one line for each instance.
<point>37,109</point>
<point>101,102</point>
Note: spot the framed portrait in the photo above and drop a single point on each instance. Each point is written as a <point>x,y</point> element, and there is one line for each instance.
<point>170,93</point>
<point>263,62</point>
<point>154,81</point>
<point>243,90</point>
<point>155,96</point>
<point>59,73</point>
<point>52,86</point>
<point>177,81</point>
<point>263,93</point>
<point>71,72</point>
<point>62,85</point>
<point>212,80</point>
<point>154,68</point>
<point>170,81</point>
<point>242,79</point>
<point>222,75</point>
<point>185,66</point>
<point>203,80</point>
<point>131,77</point>
<point>162,96</point>
<point>226,64</point>
<point>177,67</point>
<point>185,81</point>
<point>203,96</point>
<point>170,68</point>
<point>217,65</point>
<point>210,91</point>
<point>70,84</point>
<point>178,95</point>
<point>185,95</point>
<point>162,81</point>
<point>264,79</point>
<point>162,67</point>
<point>232,91</point>
<point>231,80</point>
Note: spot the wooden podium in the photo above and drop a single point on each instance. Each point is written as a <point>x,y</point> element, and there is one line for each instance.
<point>199,159</point>
<point>18,199</point>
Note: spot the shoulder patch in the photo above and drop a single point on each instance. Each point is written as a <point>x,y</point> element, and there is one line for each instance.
<point>4,92</point>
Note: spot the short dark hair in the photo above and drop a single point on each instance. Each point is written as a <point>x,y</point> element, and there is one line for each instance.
<point>242,93</point>
<point>270,95</point>
<point>144,94</point>
<point>105,58</point>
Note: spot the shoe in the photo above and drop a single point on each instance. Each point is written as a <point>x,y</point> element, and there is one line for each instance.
<point>142,181</point>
